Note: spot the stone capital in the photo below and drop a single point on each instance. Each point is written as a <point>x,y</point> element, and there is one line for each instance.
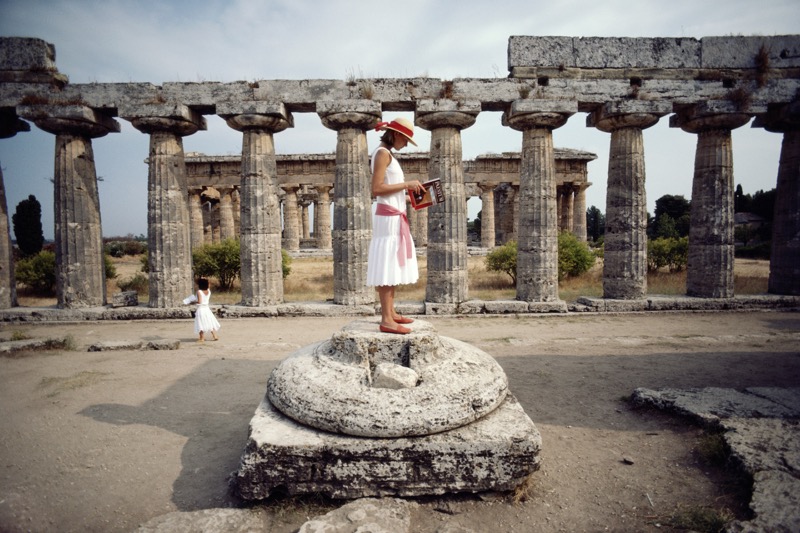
<point>527,114</point>
<point>487,186</point>
<point>10,124</point>
<point>339,114</point>
<point>75,119</point>
<point>269,116</point>
<point>432,114</point>
<point>780,119</point>
<point>176,118</point>
<point>709,115</point>
<point>627,114</point>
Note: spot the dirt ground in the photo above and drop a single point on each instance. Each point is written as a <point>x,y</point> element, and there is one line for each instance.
<point>104,441</point>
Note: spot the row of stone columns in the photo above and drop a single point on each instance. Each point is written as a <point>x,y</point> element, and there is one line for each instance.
<point>79,239</point>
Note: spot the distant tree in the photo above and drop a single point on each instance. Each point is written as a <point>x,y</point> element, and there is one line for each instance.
<point>677,208</point>
<point>763,204</point>
<point>595,223</point>
<point>665,228</point>
<point>27,222</point>
<point>741,202</point>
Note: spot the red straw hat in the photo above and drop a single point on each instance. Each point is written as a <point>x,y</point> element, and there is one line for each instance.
<point>400,125</point>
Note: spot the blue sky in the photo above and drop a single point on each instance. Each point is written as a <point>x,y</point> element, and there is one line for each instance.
<point>162,41</point>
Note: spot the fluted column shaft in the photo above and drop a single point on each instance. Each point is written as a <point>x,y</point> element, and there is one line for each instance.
<point>709,271</point>
<point>305,220</point>
<point>322,218</point>
<point>625,255</point>
<point>291,218</point>
<point>784,264</point>
<point>168,220</point>
<point>579,213</point>
<point>487,216</point>
<point>567,201</point>
<point>448,270</point>
<point>226,220</point>
<point>169,243</point>
<point>8,283</point>
<point>80,268</point>
<point>196,216</point>
<point>259,204</point>
<point>352,198</point>
<point>537,233</point>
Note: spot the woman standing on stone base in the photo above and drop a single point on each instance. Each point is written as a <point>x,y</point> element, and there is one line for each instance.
<point>392,257</point>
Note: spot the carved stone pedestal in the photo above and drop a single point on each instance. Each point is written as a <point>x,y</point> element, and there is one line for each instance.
<point>330,424</point>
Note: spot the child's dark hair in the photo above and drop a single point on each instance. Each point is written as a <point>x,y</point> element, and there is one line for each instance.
<point>202,284</point>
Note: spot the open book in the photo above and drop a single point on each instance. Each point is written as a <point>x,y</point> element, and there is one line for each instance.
<point>431,195</point>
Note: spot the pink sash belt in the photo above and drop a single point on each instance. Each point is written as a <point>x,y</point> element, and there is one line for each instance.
<point>405,232</point>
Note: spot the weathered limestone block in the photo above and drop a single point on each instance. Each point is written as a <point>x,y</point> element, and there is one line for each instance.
<point>114,346</point>
<point>392,376</point>
<point>327,385</point>
<point>163,344</point>
<point>497,452</point>
<point>386,515</point>
<point>125,299</point>
<point>505,306</point>
<point>32,345</point>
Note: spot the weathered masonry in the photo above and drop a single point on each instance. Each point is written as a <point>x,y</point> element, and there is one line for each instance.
<point>708,87</point>
<point>307,180</point>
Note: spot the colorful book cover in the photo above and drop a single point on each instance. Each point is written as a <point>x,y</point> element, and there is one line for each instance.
<point>432,194</point>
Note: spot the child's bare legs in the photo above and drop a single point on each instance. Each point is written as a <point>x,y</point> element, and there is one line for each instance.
<point>202,337</point>
<point>214,335</point>
<point>386,297</point>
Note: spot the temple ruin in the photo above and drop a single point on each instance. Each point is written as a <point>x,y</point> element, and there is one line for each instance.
<point>707,86</point>
<point>308,180</point>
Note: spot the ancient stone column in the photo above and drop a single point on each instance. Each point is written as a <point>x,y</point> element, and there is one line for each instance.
<point>168,222</point>
<point>237,212</point>
<point>784,264</point>
<point>418,220</point>
<point>625,256</point>
<point>447,222</point>
<point>226,222</point>
<point>8,283</point>
<point>322,217</point>
<point>487,215</point>
<point>291,219</point>
<point>579,212</point>
<point>80,267</point>
<point>10,125</point>
<point>216,224</point>
<point>709,272</point>
<point>537,234</point>
<point>352,199</point>
<point>259,205</point>
<point>304,219</point>
<point>566,207</point>
<point>196,216</point>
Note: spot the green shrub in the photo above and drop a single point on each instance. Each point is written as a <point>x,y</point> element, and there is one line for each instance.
<point>110,269</point>
<point>220,261</point>
<point>145,261</point>
<point>574,256</point>
<point>503,259</point>
<point>139,283</point>
<point>38,272</point>
<point>667,252</point>
<point>286,262</point>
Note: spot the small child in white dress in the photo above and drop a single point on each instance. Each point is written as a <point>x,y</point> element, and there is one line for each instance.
<point>204,319</point>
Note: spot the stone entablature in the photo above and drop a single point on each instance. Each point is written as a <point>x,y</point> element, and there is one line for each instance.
<point>707,86</point>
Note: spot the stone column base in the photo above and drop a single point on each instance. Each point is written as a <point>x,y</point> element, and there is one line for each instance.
<point>495,453</point>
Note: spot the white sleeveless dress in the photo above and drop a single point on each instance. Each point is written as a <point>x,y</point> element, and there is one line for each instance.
<point>383,268</point>
<point>204,319</point>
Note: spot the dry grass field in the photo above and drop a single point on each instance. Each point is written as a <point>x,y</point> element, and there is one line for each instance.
<point>311,279</point>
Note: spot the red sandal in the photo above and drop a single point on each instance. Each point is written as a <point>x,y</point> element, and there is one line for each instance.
<point>403,320</point>
<point>400,330</point>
